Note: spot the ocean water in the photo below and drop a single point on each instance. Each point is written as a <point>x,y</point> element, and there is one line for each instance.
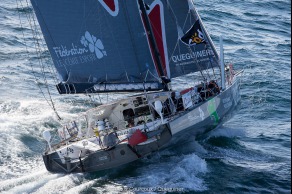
<point>250,153</point>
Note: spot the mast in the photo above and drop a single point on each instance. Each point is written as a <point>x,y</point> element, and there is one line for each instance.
<point>157,55</point>
<point>222,64</point>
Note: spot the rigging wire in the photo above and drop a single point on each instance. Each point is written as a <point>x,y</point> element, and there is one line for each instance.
<point>191,23</point>
<point>38,54</point>
<point>52,70</point>
<point>40,37</point>
<point>195,14</point>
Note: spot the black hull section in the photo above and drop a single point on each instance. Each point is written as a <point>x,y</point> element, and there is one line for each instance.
<point>108,159</point>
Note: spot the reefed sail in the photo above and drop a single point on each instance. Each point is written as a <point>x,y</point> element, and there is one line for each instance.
<point>97,42</point>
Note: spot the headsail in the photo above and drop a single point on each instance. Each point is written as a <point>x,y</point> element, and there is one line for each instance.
<point>189,46</point>
<point>96,44</point>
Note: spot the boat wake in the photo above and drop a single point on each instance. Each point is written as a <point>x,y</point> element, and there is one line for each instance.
<point>28,183</point>
<point>161,172</point>
<point>42,181</point>
<point>165,171</point>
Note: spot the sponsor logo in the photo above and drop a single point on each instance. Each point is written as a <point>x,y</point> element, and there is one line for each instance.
<point>91,44</point>
<point>212,109</point>
<point>197,38</point>
<point>199,55</point>
<point>194,35</point>
<point>64,51</point>
<point>95,45</point>
<point>91,50</point>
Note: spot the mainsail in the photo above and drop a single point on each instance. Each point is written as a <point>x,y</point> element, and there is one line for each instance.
<point>98,43</point>
<point>106,46</point>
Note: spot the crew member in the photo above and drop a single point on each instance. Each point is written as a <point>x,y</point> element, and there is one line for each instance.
<point>177,100</point>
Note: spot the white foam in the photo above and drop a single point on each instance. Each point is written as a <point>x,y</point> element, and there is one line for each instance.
<point>60,184</point>
<point>227,132</point>
<point>185,173</point>
<point>26,114</point>
<point>80,188</point>
<point>194,146</point>
<point>25,182</point>
<point>108,187</point>
<point>178,172</point>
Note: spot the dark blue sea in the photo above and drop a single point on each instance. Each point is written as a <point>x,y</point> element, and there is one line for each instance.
<point>249,153</point>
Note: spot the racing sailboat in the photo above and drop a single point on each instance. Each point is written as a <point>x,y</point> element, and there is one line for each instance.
<point>139,47</point>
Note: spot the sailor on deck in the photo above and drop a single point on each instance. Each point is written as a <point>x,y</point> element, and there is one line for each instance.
<point>177,99</point>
